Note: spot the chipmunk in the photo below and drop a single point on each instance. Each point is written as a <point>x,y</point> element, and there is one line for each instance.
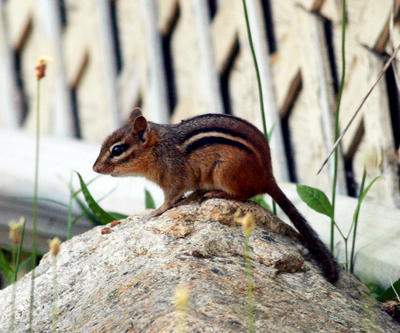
<point>212,155</point>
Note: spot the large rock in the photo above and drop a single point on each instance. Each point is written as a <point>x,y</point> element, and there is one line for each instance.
<point>125,281</point>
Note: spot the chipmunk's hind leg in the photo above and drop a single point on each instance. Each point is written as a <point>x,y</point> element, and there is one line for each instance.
<point>236,176</point>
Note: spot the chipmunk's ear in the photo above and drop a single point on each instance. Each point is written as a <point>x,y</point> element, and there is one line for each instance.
<point>140,125</point>
<point>136,112</point>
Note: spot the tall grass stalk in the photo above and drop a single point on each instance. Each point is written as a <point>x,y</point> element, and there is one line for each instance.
<point>40,71</point>
<point>250,285</point>
<point>337,124</point>
<point>18,249</point>
<point>54,246</point>
<point>70,218</point>
<point>248,225</point>
<point>259,83</point>
<point>181,307</point>
<point>355,221</point>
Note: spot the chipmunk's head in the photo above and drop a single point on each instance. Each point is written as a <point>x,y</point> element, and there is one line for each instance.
<point>127,151</point>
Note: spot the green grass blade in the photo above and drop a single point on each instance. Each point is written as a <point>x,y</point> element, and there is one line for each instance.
<point>363,193</point>
<point>118,216</point>
<point>99,212</point>
<point>366,190</point>
<point>86,212</point>
<point>148,200</point>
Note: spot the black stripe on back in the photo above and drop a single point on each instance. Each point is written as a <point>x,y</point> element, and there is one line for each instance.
<point>214,140</point>
<point>213,129</point>
<point>218,115</point>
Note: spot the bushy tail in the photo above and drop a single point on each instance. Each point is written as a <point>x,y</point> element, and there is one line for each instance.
<point>309,237</point>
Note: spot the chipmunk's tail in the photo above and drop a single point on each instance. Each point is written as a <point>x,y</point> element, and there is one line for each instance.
<point>309,237</point>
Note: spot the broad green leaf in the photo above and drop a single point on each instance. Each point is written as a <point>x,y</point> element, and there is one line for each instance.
<point>315,199</point>
<point>6,268</point>
<point>260,200</point>
<point>149,201</point>
<point>389,293</point>
<point>99,212</point>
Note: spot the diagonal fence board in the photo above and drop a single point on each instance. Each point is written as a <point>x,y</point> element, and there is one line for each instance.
<point>178,58</point>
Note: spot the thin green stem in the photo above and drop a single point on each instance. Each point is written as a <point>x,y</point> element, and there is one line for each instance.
<point>346,255</point>
<point>337,125</point>
<point>14,250</point>
<point>19,250</point>
<point>35,204</point>
<point>274,211</point>
<point>70,219</point>
<point>259,83</point>
<point>355,220</point>
<point>250,285</point>
<point>55,297</point>
<point>13,296</point>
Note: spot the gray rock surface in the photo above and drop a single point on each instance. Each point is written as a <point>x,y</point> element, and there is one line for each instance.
<point>125,281</point>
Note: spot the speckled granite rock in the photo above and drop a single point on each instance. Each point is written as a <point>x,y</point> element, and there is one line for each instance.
<point>124,281</point>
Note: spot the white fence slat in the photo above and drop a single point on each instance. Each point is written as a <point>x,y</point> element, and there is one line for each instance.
<point>110,67</point>
<point>209,75</point>
<point>62,110</point>
<point>158,106</point>
<point>9,108</point>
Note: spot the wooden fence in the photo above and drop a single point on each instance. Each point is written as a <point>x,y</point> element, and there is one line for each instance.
<point>176,59</point>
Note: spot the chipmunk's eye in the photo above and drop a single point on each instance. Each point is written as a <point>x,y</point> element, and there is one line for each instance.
<point>118,149</point>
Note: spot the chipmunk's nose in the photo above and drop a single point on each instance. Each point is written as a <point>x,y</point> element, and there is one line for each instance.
<point>96,168</point>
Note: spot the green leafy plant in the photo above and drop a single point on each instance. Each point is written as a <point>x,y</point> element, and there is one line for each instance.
<point>390,293</point>
<point>318,201</point>
<point>148,200</point>
<point>103,216</point>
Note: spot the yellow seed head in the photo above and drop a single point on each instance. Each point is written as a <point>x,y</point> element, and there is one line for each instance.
<point>15,230</point>
<point>181,298</point>
<point>54,246</point>
<point>248,224</point>
<point>40,68</point>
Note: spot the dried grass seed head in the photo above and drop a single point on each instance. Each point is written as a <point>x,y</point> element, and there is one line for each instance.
<point>54,246</point>
<point>248,223</point>
<point>15,230</point>
<point>40,67</point>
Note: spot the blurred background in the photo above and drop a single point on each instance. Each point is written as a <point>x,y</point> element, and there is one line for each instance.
<point>180,58</point>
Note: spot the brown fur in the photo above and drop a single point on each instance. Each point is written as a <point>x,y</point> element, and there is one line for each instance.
<point>219,155</point>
